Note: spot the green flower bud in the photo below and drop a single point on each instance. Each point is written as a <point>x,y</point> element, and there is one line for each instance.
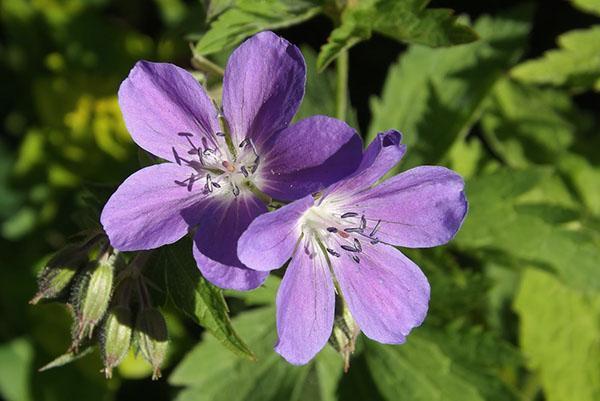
<point>116,337</point>
<point>345,331</point>
<point>152,338</point>
<point>56,276</point>
<point>93,296</point>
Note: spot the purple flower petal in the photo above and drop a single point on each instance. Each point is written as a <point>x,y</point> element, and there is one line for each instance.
<point>305,308</point>
<point>271,238</point>
<point>160,102</point>
<point>383,153</point>
<point>419,208</point>
<point>216,241</point>
<point>149,209</point>
<point>386,292</point>
<point>308,156</point>
<point>263,87</point>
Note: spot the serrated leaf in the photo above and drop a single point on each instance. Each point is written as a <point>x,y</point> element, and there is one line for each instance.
<point>269,378</point>
<point>497,221</point>
<point>198,299</point>
<point>558,333</point>
<point>575,64</point>
<point>248,17</point>
<point>525,124</point>
<point>407,21</point>
<point>434,95</point>
<point>435,365</point>
<point>591,6</point>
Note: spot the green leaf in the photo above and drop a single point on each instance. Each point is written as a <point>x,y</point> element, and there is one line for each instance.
<point>575,64</point>
<point>524,124</point>
<point>497,221</point>
<point>15,367</point>
<point>434,95</point>
<point>270,378</point>
<point>585,179</point>
<point>591,6</point>
<point>408,21</point>
<point>66,358</point>
<point>248,17</point>
<point>439,365</point>
<point>320,94</point>
<point>198,299</point>
<point>559,336</point>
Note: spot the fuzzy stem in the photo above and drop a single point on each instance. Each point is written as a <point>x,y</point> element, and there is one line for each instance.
<point>341,103</point>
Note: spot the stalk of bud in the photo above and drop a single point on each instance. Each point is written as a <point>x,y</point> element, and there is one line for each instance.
<point>152,338</point>
<point>116,338</point>
<point>93,296</point>
<point>345,331</point>
<point>56,276</point>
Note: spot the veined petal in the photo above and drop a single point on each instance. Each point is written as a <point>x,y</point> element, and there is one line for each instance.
<point>215,248</point>
<point>160,102</point>
<point>305,307</point>
<point>419,208</point>
<point>149,209</point>
<point>309,156</point>
<point>263,87</point>
<point>383,153</point>
<point>270,239</point>
<point>386,292</point>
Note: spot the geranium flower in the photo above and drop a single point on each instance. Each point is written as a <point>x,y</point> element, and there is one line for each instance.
<point>222,163</point>
<point>345,239</point>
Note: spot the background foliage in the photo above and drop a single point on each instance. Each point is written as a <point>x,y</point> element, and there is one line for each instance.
<point>506,94</point>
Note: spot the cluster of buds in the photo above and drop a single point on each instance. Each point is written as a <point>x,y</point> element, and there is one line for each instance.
<point>108,296</point>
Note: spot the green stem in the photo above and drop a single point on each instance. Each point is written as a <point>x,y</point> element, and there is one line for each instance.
<point>341,103</point>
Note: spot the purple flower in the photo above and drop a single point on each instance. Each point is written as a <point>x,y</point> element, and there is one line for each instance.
<point>221,164</point>
<point>348,233</point>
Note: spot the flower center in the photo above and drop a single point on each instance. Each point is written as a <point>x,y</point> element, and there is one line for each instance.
<point>221,169</point>
<point>340,231</point>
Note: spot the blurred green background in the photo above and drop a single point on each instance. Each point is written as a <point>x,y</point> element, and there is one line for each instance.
<point>515,309</point>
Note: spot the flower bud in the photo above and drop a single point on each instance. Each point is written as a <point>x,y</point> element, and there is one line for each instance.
<point>152,338</point>
<point>58,273</point>
<point>93,296</point>
<point>116,337</point>
<point>345,332</point>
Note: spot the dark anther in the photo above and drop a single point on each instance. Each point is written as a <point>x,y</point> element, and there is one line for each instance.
<point>354,230</point>
<point>375,228</point>
<point>208,152</point>
<point>333,253</point>
<point>193,151</point>
<point>176,156</point>
<point>357,245</point>
<point>181,183</point>
<point>349,248</point>
<point>209,185</point>
<point>236,190</point>
<point>204,142</point>
<point>349,214</point>
<point>216,185</point>
<point>244,171</point>
<point>219,133</point>
<point>185,134</point>
<point>356,258</point>
<point>332,229</point>
<point>244,143</point>
<point>375,241</point>
<point>363,222</point>
<point>190,183</point>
